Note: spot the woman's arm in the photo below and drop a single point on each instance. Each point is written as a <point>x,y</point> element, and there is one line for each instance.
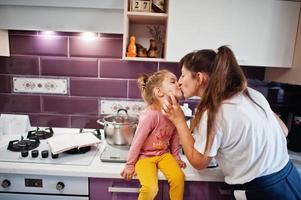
<point>174,112</point>
<point>282,125</point>
<point>175,148</point>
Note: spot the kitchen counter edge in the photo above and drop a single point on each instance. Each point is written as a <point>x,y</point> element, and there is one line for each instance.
<point>99,169</point>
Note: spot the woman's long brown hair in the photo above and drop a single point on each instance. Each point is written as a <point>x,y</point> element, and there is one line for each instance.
<point>226,79</point>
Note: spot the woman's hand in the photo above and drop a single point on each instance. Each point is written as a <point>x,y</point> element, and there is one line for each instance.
<point>171,109</point>
<point>128,173</point>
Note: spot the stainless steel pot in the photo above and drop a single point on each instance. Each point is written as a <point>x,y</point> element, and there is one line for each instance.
<point>119,129</point>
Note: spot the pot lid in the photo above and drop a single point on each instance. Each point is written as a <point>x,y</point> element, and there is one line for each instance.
<point>122,117</point>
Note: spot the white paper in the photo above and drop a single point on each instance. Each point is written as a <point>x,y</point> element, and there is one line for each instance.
<point>14,124</point>
<point>61,143</point>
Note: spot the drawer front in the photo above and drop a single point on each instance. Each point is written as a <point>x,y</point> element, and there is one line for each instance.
<point>117,189</point>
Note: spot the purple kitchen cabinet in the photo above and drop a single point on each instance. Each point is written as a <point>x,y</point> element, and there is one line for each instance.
<point>117,189</point>
<point>195,190</point>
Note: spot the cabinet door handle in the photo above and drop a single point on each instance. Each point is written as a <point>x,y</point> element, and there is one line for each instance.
<point>123,190</point>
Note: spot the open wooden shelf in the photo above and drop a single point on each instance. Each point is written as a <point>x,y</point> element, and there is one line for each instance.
<point>138,24</point>
<point>147,18</point>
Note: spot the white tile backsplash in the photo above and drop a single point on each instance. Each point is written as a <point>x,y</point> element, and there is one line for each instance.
<point>110,106</point>
<point>40,85</point>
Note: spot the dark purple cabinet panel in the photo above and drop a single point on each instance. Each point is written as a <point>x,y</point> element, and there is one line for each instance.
<point>22,32</point>
<point>196,190</point>
<point>134,91</point>
<point>100,47</point>
<point>60,33</point>
<point>113,68</point>
<point>110,35</point>
<point>254,72</point>
<point>81,67</point>
<point>38,45</point>
<point>5,84</point>
<point>25,65</point>
<point>49,120</point>
<point>171,66</point>
<point>19,103</point>
<point>98,87</point>
<point>99,189</point>
<point>70,105</point>
<point>85,122</point>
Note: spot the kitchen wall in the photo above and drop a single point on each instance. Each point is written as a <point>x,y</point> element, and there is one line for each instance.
<point>293,74</point>
<point>93,67</point>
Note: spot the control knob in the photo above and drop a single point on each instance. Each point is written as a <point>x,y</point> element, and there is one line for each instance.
<point>5,183</point>
<point>45,154</point>
<point>24,154</point>
<point>54,156</point>
<point>60,186</point>
<point>34,153</point>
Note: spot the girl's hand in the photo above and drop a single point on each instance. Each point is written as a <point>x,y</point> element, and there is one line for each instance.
<point>128,173</point>
<point>172,110</point>
<point>181,163</point>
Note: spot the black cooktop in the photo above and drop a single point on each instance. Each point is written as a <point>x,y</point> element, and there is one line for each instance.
<point>40,134</point>
<point>23,145</point>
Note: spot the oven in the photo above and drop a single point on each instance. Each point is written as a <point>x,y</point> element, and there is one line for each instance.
<point>32,148</point>
<point>36,187</point>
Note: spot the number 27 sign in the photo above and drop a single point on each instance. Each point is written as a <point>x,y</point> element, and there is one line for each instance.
<point>141,6</point>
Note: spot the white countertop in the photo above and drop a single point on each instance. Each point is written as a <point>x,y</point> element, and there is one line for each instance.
<point>101,169</point>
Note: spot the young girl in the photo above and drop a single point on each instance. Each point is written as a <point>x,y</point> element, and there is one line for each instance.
<point>156,142</point>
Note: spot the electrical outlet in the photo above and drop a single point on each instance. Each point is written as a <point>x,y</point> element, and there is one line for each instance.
<point>108,106</point>
<point>40,85</point>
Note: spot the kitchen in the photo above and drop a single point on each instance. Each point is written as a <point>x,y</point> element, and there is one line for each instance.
<point>95,74</point>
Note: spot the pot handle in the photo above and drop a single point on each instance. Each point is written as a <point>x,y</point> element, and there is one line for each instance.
<point>122,109</point>
<point>100,122</point>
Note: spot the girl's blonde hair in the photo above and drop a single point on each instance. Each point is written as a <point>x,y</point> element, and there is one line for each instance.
<point>147,83</point>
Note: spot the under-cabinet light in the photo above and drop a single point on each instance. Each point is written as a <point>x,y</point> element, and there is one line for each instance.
<point>89,36</point>
<point>48,33</point>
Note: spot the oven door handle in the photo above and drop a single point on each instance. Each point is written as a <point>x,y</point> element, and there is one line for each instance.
<point>123,190</point>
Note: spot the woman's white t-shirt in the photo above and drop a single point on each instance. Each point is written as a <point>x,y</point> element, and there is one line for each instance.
<point>249,142</point>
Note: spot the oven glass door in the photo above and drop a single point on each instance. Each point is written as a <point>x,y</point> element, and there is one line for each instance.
<point>11,196</point>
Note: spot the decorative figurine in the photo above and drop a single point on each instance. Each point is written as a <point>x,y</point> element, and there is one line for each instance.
<point>152,52</point>
<point>132,52</point>
<point>157,34</point>
<point>141,51</point>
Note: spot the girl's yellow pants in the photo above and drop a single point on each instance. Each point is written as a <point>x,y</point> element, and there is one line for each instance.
<point>147,172</point>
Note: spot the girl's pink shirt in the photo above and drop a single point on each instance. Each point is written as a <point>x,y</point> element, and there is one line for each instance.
<point>155,135</point>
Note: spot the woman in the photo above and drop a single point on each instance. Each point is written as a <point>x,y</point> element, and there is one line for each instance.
<point>234,124</point>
